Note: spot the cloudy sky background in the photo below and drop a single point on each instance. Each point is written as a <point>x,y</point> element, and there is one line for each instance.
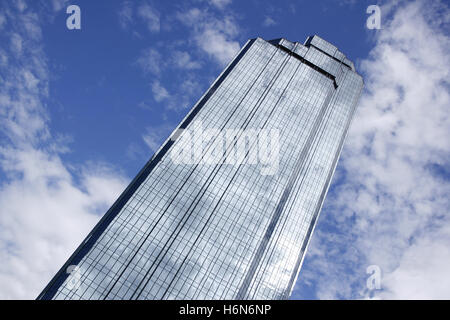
<point>82,111</point>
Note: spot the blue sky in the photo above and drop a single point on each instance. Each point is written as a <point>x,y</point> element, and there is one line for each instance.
<point>82,111</point>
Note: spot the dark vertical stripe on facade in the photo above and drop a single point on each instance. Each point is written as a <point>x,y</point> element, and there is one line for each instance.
<point>243,290</point>
<point>304,166</point>
<point>320,203</point>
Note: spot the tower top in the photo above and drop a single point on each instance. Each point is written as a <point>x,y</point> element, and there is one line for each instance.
<point>319,44</point>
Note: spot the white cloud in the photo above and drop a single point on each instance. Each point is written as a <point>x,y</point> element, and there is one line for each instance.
<point>218,45</point>
<point>423,269</point>
<point>268,22</point>
<point>125,14</point>
<point>183,96</point>
<point>159,92</point>
<point>221,4</point>
<point>20,5</point>
<point>46,205</point>
<point>155,136</point>
<point>183,91</point>
<point>191,87</point>
<point>186,91</point>
<point>346,2</point>
<point>215,36</point>
<point>391,208</point>
<point>150,61</point>
<point>59,4</point>
<point>150,16</point>
<point>183,60</point>
<point>147,14</point>
<point>16,44</point>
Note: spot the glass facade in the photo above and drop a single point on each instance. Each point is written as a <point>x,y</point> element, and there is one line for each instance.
<point>197,223</point>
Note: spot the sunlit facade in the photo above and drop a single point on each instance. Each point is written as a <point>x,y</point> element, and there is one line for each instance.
<point>219,229</point>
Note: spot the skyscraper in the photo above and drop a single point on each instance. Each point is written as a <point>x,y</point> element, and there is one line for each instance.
<point>226,207</point>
